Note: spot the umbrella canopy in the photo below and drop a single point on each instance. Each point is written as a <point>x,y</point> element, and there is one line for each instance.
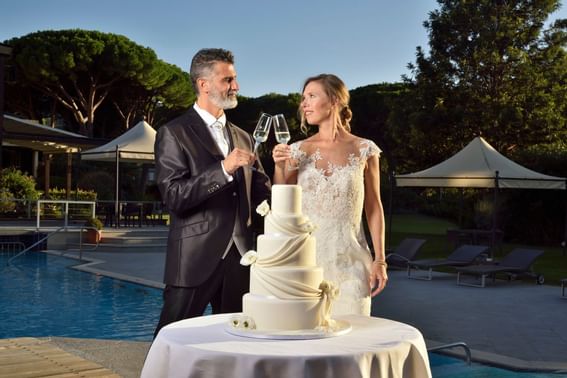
<point>135,145</point>
<point>29,134</point>
<point>479,165</point>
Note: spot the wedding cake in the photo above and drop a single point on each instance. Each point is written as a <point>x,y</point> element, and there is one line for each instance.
<point>287,290</point>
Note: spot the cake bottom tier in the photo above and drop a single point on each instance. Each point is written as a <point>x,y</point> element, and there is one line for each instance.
<point>271,313</point>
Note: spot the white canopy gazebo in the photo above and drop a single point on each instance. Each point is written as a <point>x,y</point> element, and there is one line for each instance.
<point>135,146</point>
<point>479,165</point>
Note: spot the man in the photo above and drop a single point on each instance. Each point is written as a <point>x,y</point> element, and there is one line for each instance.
<point>210,181</point>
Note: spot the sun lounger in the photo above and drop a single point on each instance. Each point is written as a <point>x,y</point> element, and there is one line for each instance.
<point>464,255</point>
<point>404,252</point>
<point>517,262</point>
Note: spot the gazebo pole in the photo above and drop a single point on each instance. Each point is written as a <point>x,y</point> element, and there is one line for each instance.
<point>461,206</point>
<point>117,193</point>
<point>389,234</point>
<point>68,175</point>
<point>564,243</point>
<point>494,215</point>
<point>5,52</point>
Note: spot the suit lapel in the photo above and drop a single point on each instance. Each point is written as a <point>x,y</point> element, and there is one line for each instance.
<point>200,129</point>
<point>236,141</point>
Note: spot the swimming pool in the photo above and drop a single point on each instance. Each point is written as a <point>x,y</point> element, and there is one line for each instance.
<point>40,296</point>
<point>449,367</point>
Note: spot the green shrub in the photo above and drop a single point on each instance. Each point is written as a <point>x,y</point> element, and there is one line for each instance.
<point>94,222</point>
<point>18,184</point>
<point>75,195</point>
<point>7,205</point>
<point>99,182</point>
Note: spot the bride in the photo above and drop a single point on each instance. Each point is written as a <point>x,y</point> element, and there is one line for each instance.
<point>340,176</point>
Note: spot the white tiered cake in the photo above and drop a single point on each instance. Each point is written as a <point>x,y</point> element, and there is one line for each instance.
<point>287,290</point>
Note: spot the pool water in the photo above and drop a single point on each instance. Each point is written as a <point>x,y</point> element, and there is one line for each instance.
<point>40,296</point>
<point>449,367</point>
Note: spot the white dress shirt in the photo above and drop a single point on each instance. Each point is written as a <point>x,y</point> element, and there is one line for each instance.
<point>217,128</point>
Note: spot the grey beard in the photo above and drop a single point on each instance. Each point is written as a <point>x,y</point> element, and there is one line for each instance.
<point>224,103</point>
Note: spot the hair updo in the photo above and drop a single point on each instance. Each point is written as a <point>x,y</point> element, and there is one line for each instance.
<point>337,91</point>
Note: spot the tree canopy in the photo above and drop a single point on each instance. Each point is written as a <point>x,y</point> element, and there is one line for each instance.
<point>79,69</point>
<point>491,70</point>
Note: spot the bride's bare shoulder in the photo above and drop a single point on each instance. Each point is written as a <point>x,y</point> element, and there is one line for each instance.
<point>309,144</point>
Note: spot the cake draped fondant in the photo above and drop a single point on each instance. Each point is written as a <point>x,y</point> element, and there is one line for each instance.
<point>287,289</point>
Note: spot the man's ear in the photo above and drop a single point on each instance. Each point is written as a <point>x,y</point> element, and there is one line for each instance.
<point>203,85</point>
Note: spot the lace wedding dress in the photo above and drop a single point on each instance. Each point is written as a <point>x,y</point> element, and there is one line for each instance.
<point>333,199</point>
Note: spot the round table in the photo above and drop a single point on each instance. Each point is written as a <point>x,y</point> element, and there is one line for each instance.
<point>201,347</point>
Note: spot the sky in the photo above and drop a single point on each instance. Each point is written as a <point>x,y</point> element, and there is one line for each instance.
<point>277,44</point>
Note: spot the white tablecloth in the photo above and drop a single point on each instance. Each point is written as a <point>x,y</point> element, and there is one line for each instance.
<point>201,347</point>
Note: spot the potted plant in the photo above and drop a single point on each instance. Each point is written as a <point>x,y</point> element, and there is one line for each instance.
<point>94,230</point>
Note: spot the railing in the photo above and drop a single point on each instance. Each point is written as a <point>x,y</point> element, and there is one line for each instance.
<point>131,212</point>
<point>81,241</point>
<point>454,345</point>
<point>12,246</point>
<point>34,244</point>
<point>66,211</point>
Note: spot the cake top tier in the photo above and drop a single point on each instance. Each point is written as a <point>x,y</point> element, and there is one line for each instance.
<point>286,199</point>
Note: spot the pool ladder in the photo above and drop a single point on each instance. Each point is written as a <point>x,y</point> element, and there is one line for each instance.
<point>454,345</point>
<point>34,244</point>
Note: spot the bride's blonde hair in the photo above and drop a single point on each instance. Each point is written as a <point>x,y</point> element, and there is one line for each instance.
<point>338,93</point>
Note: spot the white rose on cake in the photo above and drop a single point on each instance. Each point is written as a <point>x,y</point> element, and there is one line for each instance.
<point>263,209</point>
<point>249,258</point>
<point>308,227</point>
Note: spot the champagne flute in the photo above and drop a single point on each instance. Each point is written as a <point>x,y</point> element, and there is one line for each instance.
<point>281,129</point>
<point>262,130</point>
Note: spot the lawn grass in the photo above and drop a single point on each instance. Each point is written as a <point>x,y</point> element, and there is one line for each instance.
<point>421,224</point>
<point>552,264</point>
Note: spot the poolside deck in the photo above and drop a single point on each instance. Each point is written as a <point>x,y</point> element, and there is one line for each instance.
<point>31,357</point>
<point>516,324</point>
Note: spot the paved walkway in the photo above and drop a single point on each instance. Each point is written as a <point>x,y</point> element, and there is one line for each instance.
<point>517,324</point>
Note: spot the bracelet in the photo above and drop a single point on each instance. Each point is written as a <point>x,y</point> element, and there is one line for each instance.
<point>381,262</point>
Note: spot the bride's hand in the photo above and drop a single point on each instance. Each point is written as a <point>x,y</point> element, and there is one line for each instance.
<point>281,153</point>
<point>378,277</point>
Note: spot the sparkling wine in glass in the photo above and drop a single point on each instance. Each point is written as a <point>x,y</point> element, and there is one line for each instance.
<point>262,130</point>
<point>281,129</point>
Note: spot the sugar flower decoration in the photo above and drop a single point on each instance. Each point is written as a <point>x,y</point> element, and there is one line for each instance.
<point>235,321</point>
<point>329,289</point>
<point>308,227</point>
<point>263,209</point>
<point>242,321</point>
<point>329,292</point>
<point>249,258</point>
<point>248,323</point>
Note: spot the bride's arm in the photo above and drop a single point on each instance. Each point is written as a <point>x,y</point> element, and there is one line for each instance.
<point>282,163</point>
<point>375,217</point>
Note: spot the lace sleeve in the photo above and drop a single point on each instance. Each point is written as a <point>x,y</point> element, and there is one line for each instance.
<point>368,149</point>
<point>296,156</point>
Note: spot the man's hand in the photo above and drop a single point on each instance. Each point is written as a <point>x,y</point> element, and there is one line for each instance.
<point>237,158</point>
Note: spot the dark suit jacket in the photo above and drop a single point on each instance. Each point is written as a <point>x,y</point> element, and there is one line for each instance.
<point>202,203</point>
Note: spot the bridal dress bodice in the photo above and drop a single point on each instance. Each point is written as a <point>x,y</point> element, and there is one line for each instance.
<point>333,199</point>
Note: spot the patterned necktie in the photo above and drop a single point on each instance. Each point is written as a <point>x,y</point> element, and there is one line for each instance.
<point>220,137</point>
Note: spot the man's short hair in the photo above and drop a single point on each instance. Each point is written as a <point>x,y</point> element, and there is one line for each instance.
<point>203,62</point>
